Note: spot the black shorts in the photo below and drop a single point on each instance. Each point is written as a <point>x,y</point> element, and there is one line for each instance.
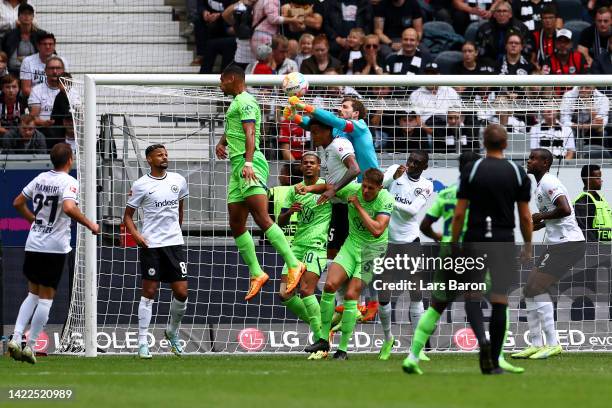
<point>401,269</point>
<point>557,260</point>
<point>338,227</point>
<point>500,259</point>
<point>43,268</point>
<point>165,264</point>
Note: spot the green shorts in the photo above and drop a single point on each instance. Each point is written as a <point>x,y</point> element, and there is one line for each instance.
<point>238,188</point>
<point>315,259</point>
<point>358,262</point>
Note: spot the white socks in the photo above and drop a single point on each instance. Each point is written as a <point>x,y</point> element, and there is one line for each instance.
<point>384,313</point>
<point>177,311</point>
<point>41,315</point>
<point>533,321</point>
<point>546,314</point>
<point>415,310</point>
<point>541,316</point>
<point>145,310</point>
<point>25,314</point>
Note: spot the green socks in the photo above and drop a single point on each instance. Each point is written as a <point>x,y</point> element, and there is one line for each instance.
<point>328,303</point>
<point>296,305</point>
<point>424,329</point>
<point>314,315</point>
<point>277,239</point>
<point>246,247</point>
<point>349,317</point>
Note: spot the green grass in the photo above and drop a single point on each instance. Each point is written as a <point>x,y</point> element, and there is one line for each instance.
<point>450,380</point>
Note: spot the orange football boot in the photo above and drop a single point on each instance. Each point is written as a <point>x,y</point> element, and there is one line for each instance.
<point>256,285</point>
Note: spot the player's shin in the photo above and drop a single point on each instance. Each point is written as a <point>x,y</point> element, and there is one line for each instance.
<point>348,323</point>
<point>497,330</point>
<point>546,315</point>
<point>246,247</point>
<point>145,309</point>
<point>327,313</point>
<point>384,312</point>
<point>425,328</point>
<point>533,322</point>
<point>313,311</point>
<point>279,241</point>
<point>26,310</point>
<point>296,305</point>
<point>177,311</point>
<point>39,319</point>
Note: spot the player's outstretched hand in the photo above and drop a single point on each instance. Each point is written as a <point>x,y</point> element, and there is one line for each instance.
<point>94,228</point>
<point>353,200</point>
<point>398,173</point>
<point>329,193</point>
<point>289,112</point>
<point>297,103</point>
<point>221,151</point>
<point>248,173</point>
<point>140,241</point>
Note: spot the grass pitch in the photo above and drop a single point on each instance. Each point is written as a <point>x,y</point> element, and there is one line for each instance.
<point>450,380</point>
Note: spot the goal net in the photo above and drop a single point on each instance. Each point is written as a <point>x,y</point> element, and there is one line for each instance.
<point>443,115</point>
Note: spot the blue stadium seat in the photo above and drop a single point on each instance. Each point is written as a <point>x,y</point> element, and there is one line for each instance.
<point>437,26</point>
<point>470,31</point>
<point>447,59</point>
<point>569,9</point>
<point>576,27</point>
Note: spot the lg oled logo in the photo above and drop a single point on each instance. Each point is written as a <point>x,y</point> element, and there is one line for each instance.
<point>251,339</point>
<point>465,339</point>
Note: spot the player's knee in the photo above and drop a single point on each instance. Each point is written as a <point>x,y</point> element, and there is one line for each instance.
<point>180,296</point>
<point>262,220</point>
<point>306,290</point>
<point>351,294</point>
<point>149,293</point>
<point>330,287</point>
<point>533,289</point>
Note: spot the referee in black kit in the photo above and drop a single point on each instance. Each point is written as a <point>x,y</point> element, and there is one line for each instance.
<point>489,187</point>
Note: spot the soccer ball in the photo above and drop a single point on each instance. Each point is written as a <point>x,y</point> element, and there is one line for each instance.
<point>296,84</point>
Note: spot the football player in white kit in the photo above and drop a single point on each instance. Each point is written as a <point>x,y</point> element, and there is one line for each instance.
<point>54,196</point>
<point>161,195</point>
<point>566,246</point>
<point>410,190</point>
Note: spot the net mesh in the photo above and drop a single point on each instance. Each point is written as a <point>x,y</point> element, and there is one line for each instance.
<point>189,122</point>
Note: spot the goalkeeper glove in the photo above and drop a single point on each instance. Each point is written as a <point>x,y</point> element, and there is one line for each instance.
<point>295,102</point>
<point>290,114</point>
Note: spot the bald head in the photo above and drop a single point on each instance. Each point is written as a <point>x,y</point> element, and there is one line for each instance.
<point>495,138</point>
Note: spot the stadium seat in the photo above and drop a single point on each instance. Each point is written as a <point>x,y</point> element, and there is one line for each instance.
<point>447,59</point>
<point>576,27</point>
<point>569,9</point>
<point>437,26</point>
<point>470,32</point>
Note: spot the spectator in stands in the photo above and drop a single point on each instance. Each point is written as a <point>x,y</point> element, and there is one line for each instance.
<point>408,135</point>
<point>320,59</point>
<point>603,63</point>
<point>513,62</point>
<point>25,139</point>
<point>466,12</point>
<point>3,64</point>
<point>239,16</point>
<point>564,60</point>
<point>585,109</point>
<point>281,65</point>
<point>391,18</point>
<point>432,102</point>
<point>550,134</point>
<point>13,103</point>
<point>471,64</point>
<point>410,59</point>
<point>215,36</point>
<point>33,67</point>
<point>355,41</point>
<point>544,37</point>
<point>455,137</point>
<point>262,65</point>
<point>21,41</point>
<point>311,11</point>
<point>491,35</point>
<point>372,61</point>
<point>43,95</point>
<point>594,39</point>
<point>267,20</point>
<point>531,13</point>
<point>293,141</point>
<point>304,48</point>
<point>342,16</point>
<point>8,15</point>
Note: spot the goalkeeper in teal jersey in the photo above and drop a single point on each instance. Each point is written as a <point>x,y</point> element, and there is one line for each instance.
<point>443,207</point>
<point>370,209</point>
<point>309,244</point>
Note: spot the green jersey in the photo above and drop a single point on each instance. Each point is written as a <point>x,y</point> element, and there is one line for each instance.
<point>312,221</point>
<point>244,108</point>
<point>444,207</point>
<point>382,204</point>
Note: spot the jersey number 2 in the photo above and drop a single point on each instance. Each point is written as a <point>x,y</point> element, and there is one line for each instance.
<point>40,200</point>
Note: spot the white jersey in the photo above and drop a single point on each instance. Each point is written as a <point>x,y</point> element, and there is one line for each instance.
<point>50,232</point>
<point>159,199</point>
<point>335,153</point>
<point>33,69</point>
<point>561,229</point>
<point>404,226</point>
<point>44,96</point>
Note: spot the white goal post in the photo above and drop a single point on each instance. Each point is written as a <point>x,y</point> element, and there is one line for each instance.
<point>91,130</point>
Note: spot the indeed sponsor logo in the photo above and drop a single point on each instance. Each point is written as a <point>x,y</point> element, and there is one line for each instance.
<point>166,203</point>
<point>402,199</point>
